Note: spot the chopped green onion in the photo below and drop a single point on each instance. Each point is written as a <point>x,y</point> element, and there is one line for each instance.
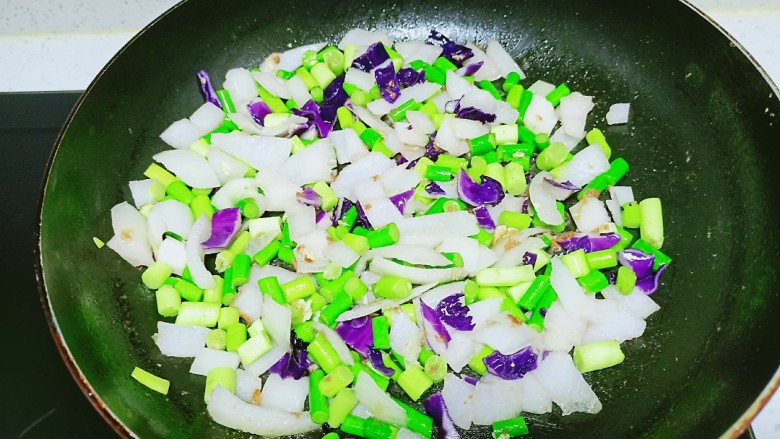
<point>417,421</point>
<point>255,347</point>
<point>318,403</point>
<point>270,286</point>
<point>504,277</point>
<point>168,301</point>
<point>381,330</point>
<point>156,274</point>
<point>436,368</point>
<point>198,314</point>
<point>535,291</point>
<point>220,376</point>
<point>516,220</point>
<point>236,336</point>
<point>438,173</point>
<point>651,224</point>
<point>660,257</point>
<point>552,156</point>
<point>336,380</point>
<point>217,339</point>
<point>227,102</point>
<point>601,259</point>
<point>300,288</point>
<point>340,407</point>
<point>577,263</point>
<point>513,95</point>
<point>559,92</point>
<point>393,287</point>
<point>477,363</point>
<point>305,331</point>
<point>354,425</point>
<point>323,353</point>
<point>632,215</point>
<point>594,281</point>
<point>414,381</point>
<point>483,144</point>
<point>509,428</point>
<point>340,304</point>
<point>490,88</point>
<point>387,235</point>
<point>626,280</point>
<point>598,355</point>
<point>227,316</point>
<point>151,381</point>
<point>241,264</point>
<point>596,136</point>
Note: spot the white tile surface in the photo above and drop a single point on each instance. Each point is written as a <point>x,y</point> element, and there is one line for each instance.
<point>63,44</point>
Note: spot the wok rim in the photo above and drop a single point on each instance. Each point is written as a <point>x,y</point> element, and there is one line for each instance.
<point>742,424</point>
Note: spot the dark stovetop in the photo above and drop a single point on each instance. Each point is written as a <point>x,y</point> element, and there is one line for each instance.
<point>41,399</point>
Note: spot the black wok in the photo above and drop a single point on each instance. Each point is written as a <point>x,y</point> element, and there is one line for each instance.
<point>704,125</point>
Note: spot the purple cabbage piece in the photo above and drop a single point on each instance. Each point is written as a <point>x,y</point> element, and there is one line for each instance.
<point>612,277</point>
<point>437,409</point>
<point>400,160</point>
<point>452,106</point>
<point>434,189</point>
<point>473,113</point>
<point>225,224</point>
<point>475,194</point>
<point>408,77</point>
<point>433,318</point>
<point>470,379</point>
<point>340,210</point>
<point>528,177</point>
<point>311,111</point>
<point>432,151</point>
<point>309,197</point>
<point>649,284</point>
<point>290,367</point>
<point>375,56</point>
<point>450,50</point>
<point>603,242</point>
<point>526,204</point>
<point>484,219</point>
<point>575,243</point>
<point>375,357</point>
<point>412,164</point>
<point>454,312</point>
<point>357,334</point>
<point>567,185</point>
<point>543,312</point>
<point>400,200</point>
<point>387,82</point>
<point>470,69</point>
<point>638,261</point>
<point>512,366</point>
<point>334,97</point>
<point>259,110</point>
<point>529,258</point>
<point>320,215</point>
<point>207,89</point>
<point>362,219</point>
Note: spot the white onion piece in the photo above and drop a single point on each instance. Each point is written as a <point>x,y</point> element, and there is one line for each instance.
<point>241,86</point>
<point>229,410</point>
<point>173,253</point>
<point>298,91</point>
<point>583,167</point>
<point>589,214</point>
<point>370,165</point>
<point>488,71</point>
<point>190,166</point>
<point>433,296</point>
<point>300,219</point>
<point>376,305</point>
<point>457,352</point>
<point>248,387</point>
<point>561,330</point>
<point>180,340</point>
<point>561,136</point>
<point>413,50</point>
<point>364,38</point>
<point>617,114</point>
<point>637,303</point>
<point>225,166</point>
<point>416,275</point>
<point>475,256</point>
<point>283,275</point>
<point>407,134</point>
<point>290,60</point>
<point>259,152</point>
<point>140,190</point>
<point>543,198</point>
<point>468,129</point>
<point>447,140</point>
<point>373,121</point>
<point>377,402</point>
<point>418,92</point>
<point>278,190</point>
<point>310,252</point>
<point>504,62</point>
<point>505,334</point>
<point>208,359</point>
<point>248,302</point>
<point>513,252</point>
<point>565,385</point>
<point>405,433</point>
<point>286,394</point>
<point>458,397</point>
<point>534,397</point>
<point>483,311</point>
<point>341,254</point>
<point>459,223</point>
<point>457,87</point>
<point>573,110</point>
<point>207,117</point>
<point>337,342</point>
<point>247,124</point>
<point>541,88</point>
<point>311,164</point>
<point>168,216</point>
<point>615,212</point>
<point>181,134</point>
<point>273,84</point>
<point>131,235</point>
<point>480,99</point>
<point>420,121</point>
<point>495,399</point>
<point>200,232</point>
<point>413,254</point>
<point>613,323</point>
<point>362,80</point>
<point>441,100</point>
<point>405,337</point>
<point>540,116</point>
<point>399,179</point>
<point>505,113</point>
<point>379,210</point>
<point>621,194</point>
<point>349,147</point>
<point>236,190</point>
<point>277,321</point>
<point>570,293</point>
<point>262,364</point>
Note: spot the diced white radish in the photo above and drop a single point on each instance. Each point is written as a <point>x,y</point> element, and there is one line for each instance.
<point>311,164</point>
<point>349,147</point>
<point>249,387</point>
<point>229,410</point>
<point>377,402</point>
<point>181,134</point>
<point>617,114</point>
<point>180,340</point>
<point>458,397</point>
<point>540,116</point>
<point>566,386</point>
<point>589,214</point>
<point>208,359</point>
<point>573,111</point>
<point>277,321</point>
<point>130,240</point>
<point>241,86</point>
<point>207,117</point>
<point>504,62</point>
<point>286,394</point>
<point>259,152</point>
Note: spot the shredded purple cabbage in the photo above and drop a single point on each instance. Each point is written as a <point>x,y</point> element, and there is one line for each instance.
<point>470,69</point>
<point>319,215</point>
<point>334,97</point>
<point>567,185</point>
<point>526,204</point>
<point>437,409</point>
<point>357,334</point>
<point>529,258</point>
<point>581,242</point>
<point>454,312</point>
<point>484,219</point>
<point>433,188</point>
<point>225,224</point>
<point>470,380</point>
<point>473,113</point>
<point>603,242</point>
<point>475,194</point>
<point>649,284</point>
<point>290,367</point>
<point>259,110</point>
<point>400,200</point>
<point>408,77</point>
<point>207,89</point>
<point>543,312</point>
<point>400,160</point>
<point>432,151</point>
<point>387,82</point>
<point>341,209</point>
<point>640,262</point>
<point>311,111</point>
<point>433,318</point>
<point>412,164</point>
<point>375,357</point>
<point>450,50</point>
<point>309,197</point>
<point>375,56</point>
<point>513,366</point>
<point>362,219</point>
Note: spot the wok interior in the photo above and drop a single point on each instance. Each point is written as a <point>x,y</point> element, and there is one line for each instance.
<point>702,122</point>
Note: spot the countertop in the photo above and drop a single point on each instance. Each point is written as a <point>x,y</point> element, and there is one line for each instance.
<point>60,45</point>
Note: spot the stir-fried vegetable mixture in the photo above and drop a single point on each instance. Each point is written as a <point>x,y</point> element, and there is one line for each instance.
<point>391,240</point>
